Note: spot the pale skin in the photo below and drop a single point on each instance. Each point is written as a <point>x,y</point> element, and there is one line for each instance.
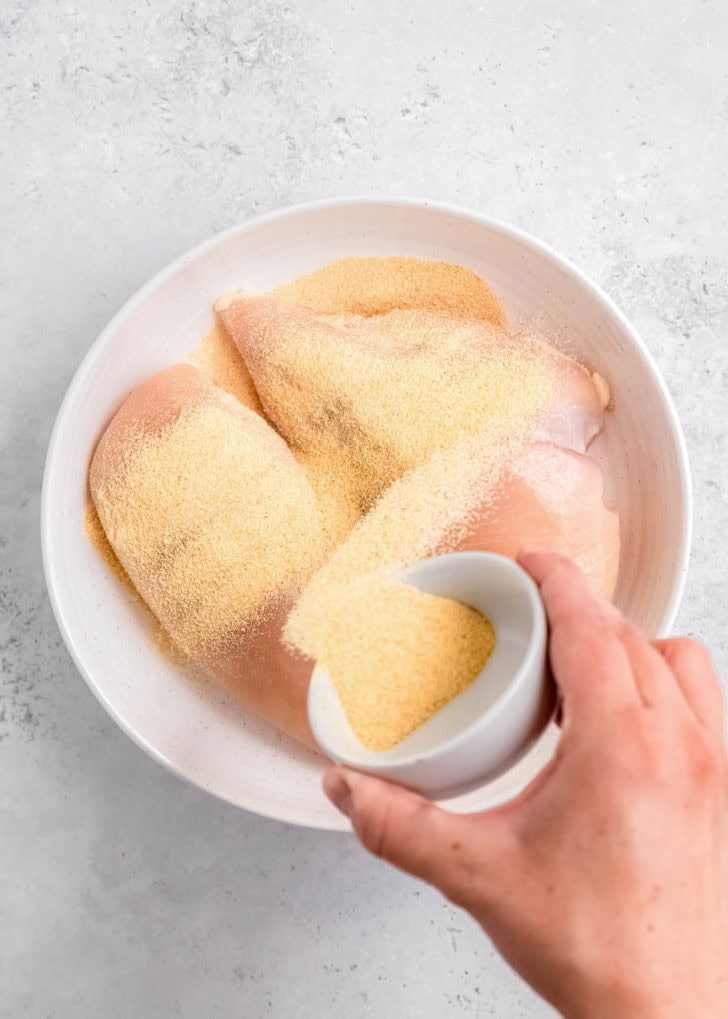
<point>605,883</point>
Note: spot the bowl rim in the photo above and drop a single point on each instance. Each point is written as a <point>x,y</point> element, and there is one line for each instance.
<point>49,552</point>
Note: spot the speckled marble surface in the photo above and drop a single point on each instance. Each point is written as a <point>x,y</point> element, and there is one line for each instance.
<point>138,129</point>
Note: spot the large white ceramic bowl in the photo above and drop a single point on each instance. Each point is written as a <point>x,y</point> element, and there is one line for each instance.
<point>185,725</point>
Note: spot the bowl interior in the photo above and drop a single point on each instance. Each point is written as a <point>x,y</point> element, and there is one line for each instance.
<point>503,592</point>
<point>188,726</point>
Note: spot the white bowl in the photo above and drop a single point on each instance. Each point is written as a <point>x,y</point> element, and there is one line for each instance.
<point>485,730</point>
<point>187,726</point>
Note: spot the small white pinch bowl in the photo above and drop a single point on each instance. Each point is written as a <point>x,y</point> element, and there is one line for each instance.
<point>488,727</point>
<point>189,727</point>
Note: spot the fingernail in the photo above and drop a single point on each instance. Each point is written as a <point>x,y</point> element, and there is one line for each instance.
<point>338,790</point>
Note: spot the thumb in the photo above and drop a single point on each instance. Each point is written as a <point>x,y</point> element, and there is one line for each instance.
<point>408,831</point>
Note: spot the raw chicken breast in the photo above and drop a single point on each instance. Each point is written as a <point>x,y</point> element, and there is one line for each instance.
<point>447,433</point>
<point>177,478</point>
<point>391,390</point>
<point>551,500</point>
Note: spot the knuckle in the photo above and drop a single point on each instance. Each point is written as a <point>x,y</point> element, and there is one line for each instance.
<point>688,647</point>
<point>680,643</point>
<point>382,828</point>
<point>372,827</point>
<point>642,749</point>
<point>703,763</point>
<point>632,729</point>
<point>623,629</point>
<point>647,754</point>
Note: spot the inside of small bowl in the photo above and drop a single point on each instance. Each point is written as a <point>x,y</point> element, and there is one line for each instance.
<point>494,586</point>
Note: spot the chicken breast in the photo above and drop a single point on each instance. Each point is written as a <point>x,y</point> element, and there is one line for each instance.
<point>391,390</point>
<point>424,433</point>
<point>551,499</point>
<point>218,529</point>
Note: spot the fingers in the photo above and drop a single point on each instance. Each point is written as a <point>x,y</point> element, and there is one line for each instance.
<point>653,677</point>
<point>589,660</point>
<point>413,834</point>
<point>602,663</point>
<point>566,593</point>
<point>693,669</point>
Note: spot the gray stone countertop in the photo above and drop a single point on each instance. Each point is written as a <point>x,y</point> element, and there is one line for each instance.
<point>131,132</point>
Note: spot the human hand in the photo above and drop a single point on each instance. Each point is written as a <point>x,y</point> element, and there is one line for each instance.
<point>605,883</point>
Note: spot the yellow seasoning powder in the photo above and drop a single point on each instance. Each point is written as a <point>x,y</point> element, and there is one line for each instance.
<point>217,357</point>
<point>397,655</point>
<point>377,285</point>
<point>97,536</point>
<point>355,286</point>
<point>159,636</point>
<point>379,396</point>
<point>211,518</point>
<point>399,400</point>
<point>370,287</point>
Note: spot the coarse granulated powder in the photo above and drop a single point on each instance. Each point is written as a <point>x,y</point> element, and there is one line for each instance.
<point>217,357</point>
<point>427,512</point>
<point>212,519</point>
<point>374,286</point>
<point>97,536</point>
<point>403,401</point>
<point>351,286</point>
<point>161,638</point>
<point>396,655</point>
<point>379,396</point>
<point>363,286</point>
